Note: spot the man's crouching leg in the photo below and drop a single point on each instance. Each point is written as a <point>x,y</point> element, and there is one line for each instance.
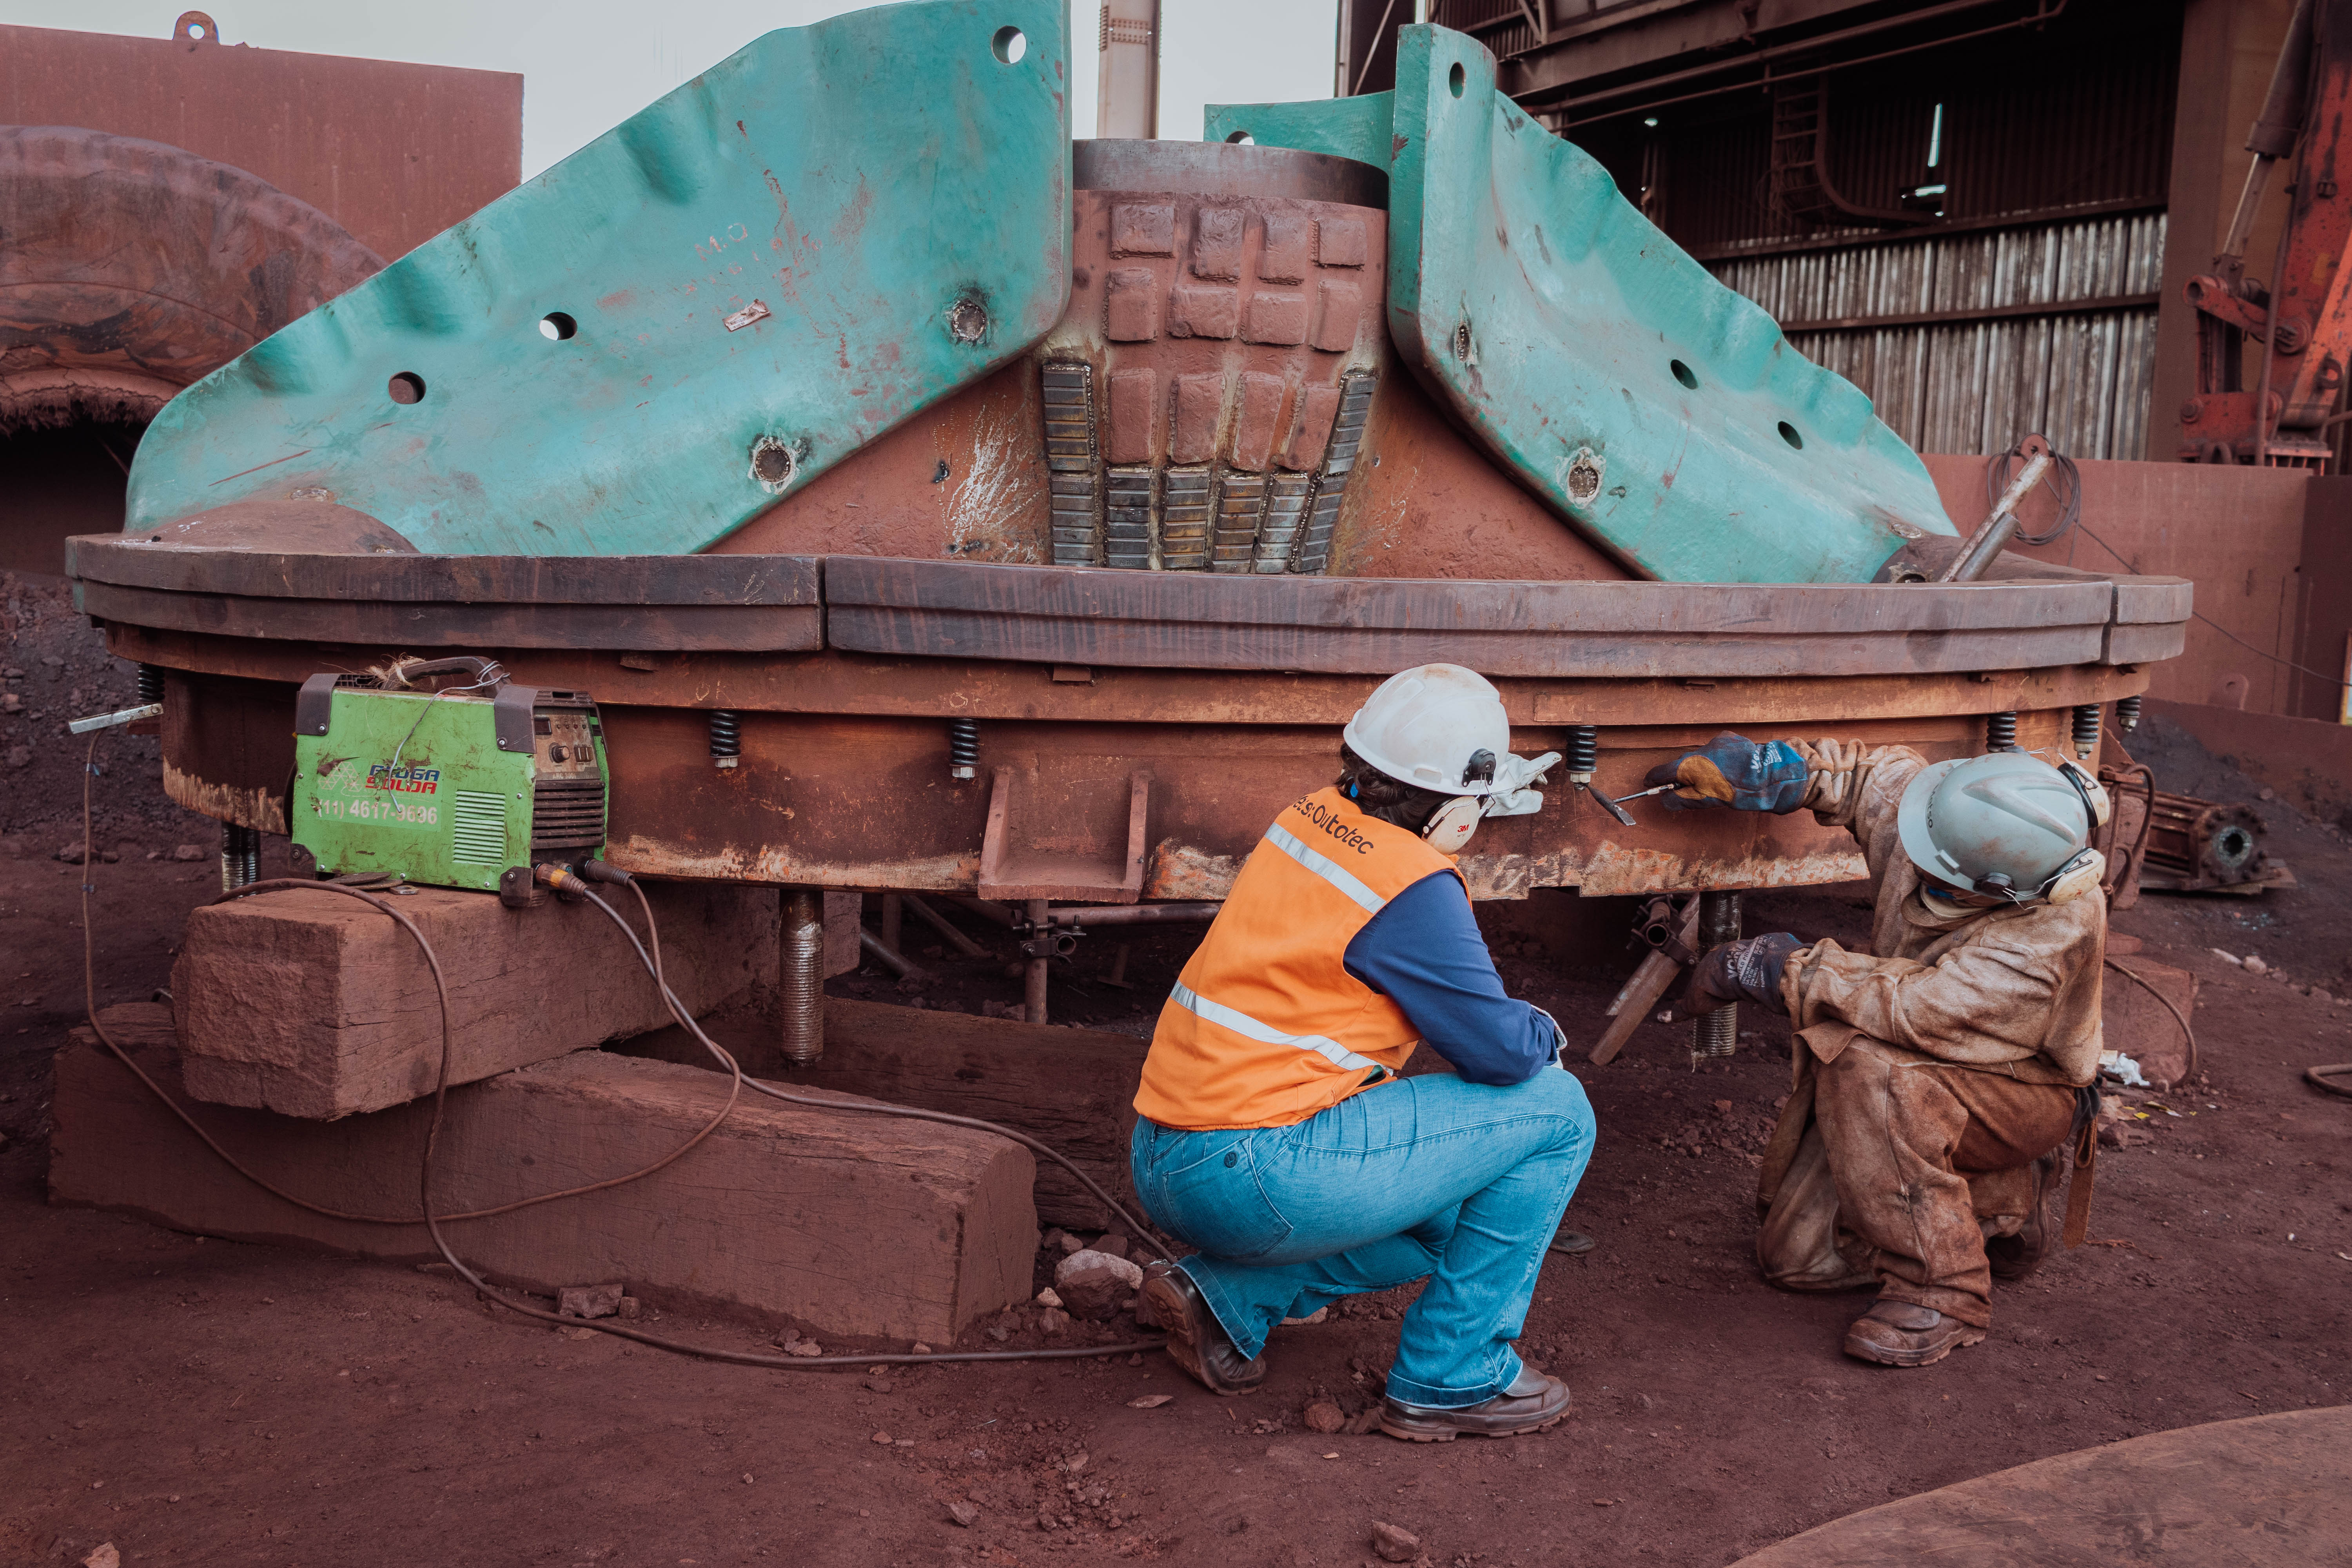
<point>1889,1121</point>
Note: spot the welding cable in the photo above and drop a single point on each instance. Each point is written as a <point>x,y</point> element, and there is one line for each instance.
<point>432,1222</point>
<point>2209,621</point>
<point>364,896</point>
<point>2065,480</point>
<point>678,1011</point>
<point>2187,1033</point>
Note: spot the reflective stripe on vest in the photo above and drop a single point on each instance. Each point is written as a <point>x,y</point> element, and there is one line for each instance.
<point>1330,870</point>
<point>1240,1023</point>
<point>1265,1027</point>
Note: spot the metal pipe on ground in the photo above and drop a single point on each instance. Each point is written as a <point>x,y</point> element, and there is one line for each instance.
<point>1196,913</point>
<point>939,922</point>
<point>800,976</point>
<point>889,957</point>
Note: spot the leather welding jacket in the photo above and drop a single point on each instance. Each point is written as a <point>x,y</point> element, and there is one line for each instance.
<point>2013,990</point>
<point>1267,1027</point>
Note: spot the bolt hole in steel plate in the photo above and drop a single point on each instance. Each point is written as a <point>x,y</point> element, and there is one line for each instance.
<point>557,327</point>
<point>1242,139</point>
<point>1455,79</point>
<point>1788,434</point>
<point>772,464</point>
<point>1689,377</point>
<point>1462,340</point>
<point>968,321</point>
<point>406,387</point>
<point>1010,45</point>
<point>1584,475</point>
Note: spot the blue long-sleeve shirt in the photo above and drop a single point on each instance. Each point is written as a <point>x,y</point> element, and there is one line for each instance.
<point>1423,953</point>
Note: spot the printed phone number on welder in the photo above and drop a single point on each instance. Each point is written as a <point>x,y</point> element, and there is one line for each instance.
<point>378,811</point>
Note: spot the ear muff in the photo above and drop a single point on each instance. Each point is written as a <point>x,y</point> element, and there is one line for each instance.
<point>2076,877</point>
<point>2094,793</point>
<point>1451,825</point>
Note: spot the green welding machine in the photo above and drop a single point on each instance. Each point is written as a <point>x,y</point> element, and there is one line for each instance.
<point>452,788</point>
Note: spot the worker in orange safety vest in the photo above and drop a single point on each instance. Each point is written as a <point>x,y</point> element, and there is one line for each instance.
<point>1276,1133</point>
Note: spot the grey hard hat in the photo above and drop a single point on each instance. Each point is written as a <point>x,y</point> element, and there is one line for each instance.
<point>2004,823</point>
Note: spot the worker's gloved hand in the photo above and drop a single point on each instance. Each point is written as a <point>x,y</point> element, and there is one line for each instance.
<point>1746,971</point>
<point>1733,770</point>
<point>1516,779</point>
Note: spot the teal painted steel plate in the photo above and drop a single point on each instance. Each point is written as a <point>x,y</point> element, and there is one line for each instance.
<point>1661,411</point>
<point>788,254</point>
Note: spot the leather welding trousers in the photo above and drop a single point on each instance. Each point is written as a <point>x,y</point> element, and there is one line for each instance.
<point>1890,1166</point>
<point>1462,1182</point>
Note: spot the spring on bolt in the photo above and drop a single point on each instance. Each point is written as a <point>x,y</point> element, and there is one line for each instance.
<point>240,857</point>
<point>2126,714</point>
<point>1583,751</point>
<point>2086,729</point>
<point>150,684</point>
<point>726,737</point>
<point>2000,731</point>
<point>963,749</point>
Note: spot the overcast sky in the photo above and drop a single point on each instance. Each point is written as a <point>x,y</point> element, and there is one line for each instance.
<point>588,64</point>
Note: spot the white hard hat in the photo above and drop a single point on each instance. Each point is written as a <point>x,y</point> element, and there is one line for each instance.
<point>1436,727</point>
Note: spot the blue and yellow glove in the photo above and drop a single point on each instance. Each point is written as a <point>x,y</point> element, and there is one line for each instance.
<point>1733,770</point>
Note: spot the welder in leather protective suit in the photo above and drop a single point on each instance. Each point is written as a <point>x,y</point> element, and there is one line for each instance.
<point>1941,1080</point>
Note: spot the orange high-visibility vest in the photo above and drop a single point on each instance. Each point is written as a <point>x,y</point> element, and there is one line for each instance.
<point>1267,1027</point>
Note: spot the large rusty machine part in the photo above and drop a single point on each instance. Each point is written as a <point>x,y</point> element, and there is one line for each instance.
<point>701,310</point>
<point>2300,321</point>
<point>1125,714</point>
<point>131,269</point>
<point>2196,845</point>
<point>1071,628</point>
<point>1605,369</point>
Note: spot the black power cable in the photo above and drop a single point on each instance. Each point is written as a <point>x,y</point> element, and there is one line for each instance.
<point>432,1222</point>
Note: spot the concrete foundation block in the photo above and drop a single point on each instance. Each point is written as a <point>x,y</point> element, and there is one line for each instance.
<point>311,1003</point>
<point>859,1225</point>
<point>1072,1089</point>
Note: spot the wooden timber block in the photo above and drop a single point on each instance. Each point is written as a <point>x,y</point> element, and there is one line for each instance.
<point>1071,1089</point>
<point>311,1003</point>
<point>860,1225</point>
<point>2140,1026</point>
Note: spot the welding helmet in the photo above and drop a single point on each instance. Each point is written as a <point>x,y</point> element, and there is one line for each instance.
<point>2008,825</point>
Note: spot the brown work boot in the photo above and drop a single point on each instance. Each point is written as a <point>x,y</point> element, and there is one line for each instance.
<point>1901,1333</point>
<point>1534,1401</point>
<point>2015,1257</point>
<point>1196,1341</point>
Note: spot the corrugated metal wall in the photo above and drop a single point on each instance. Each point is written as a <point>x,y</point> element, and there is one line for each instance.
<point>2080,376</point>
<point>2028,302</point>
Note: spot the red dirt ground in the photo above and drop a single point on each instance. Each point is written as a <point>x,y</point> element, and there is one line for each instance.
<point>200,1402</point>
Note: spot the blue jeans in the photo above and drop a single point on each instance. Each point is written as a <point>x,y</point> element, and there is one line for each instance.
<point>1429,1175</point>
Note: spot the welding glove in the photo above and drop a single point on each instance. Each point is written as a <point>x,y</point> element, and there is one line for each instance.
<point>1746,971</point>
<point>1515,781</point>
<point>1733,770</point>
